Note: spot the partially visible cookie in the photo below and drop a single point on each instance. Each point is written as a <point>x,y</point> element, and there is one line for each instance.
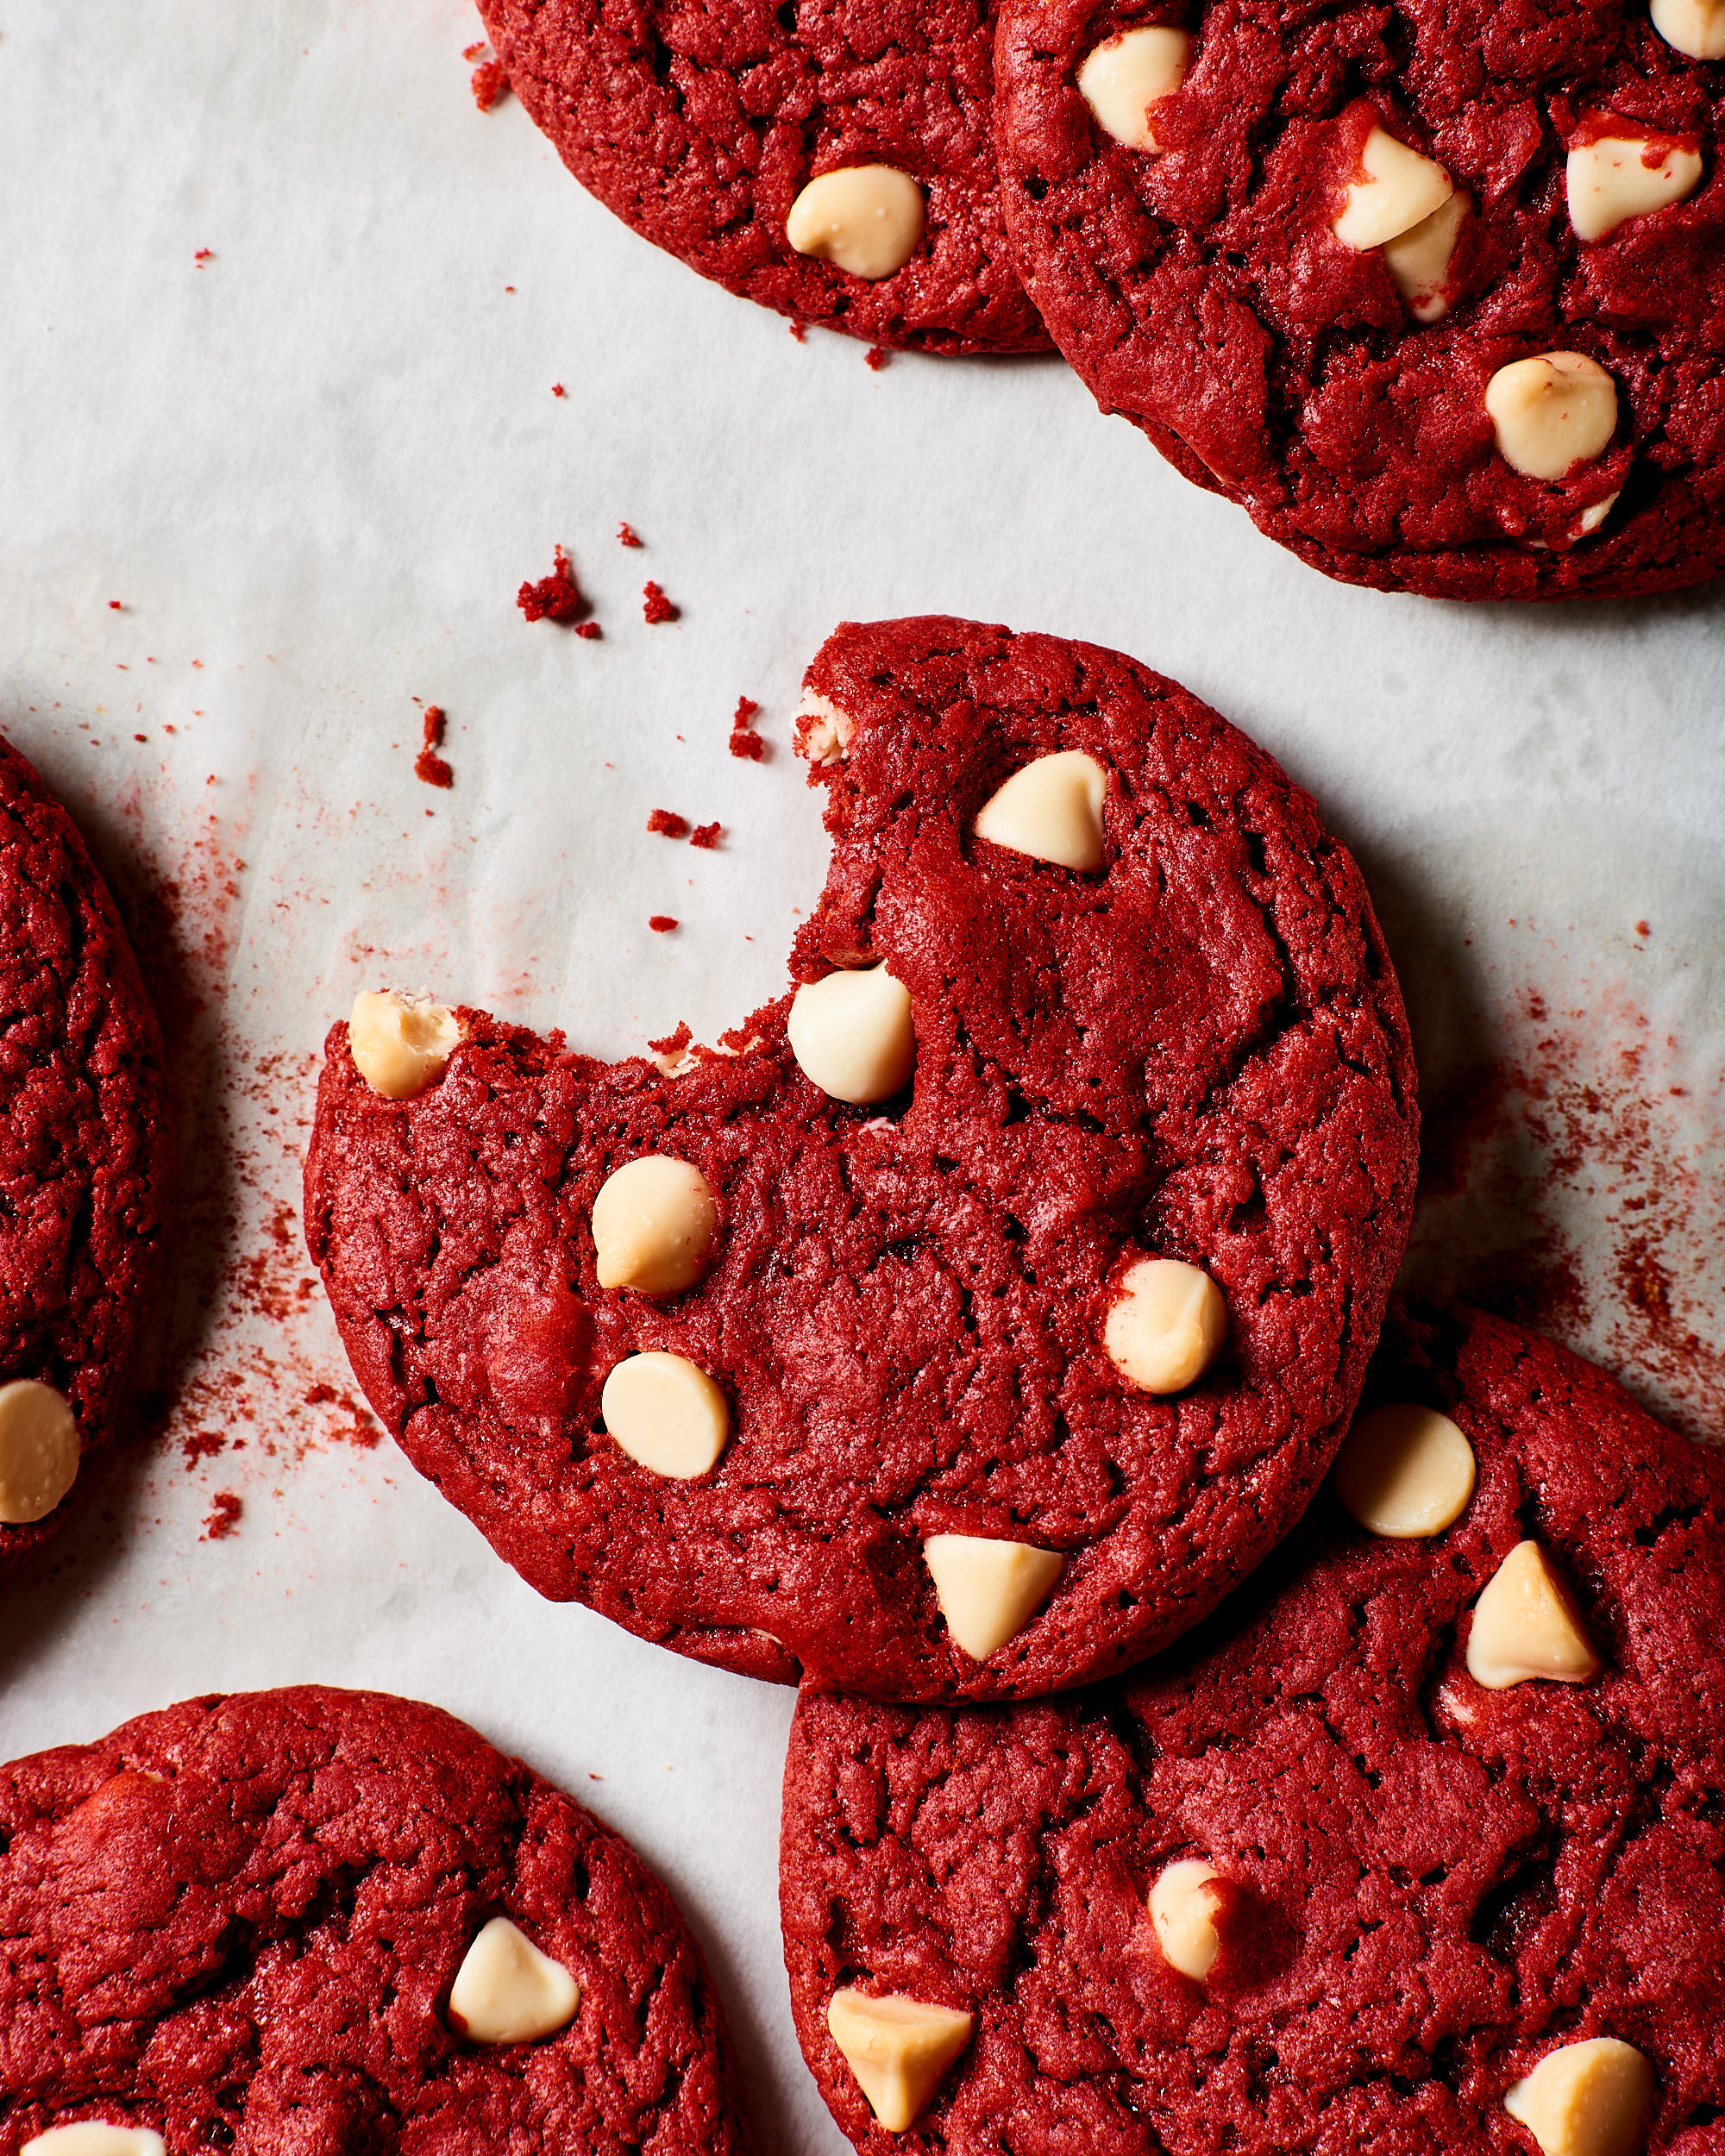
<point>1431,288</point>
<point>832,159</point>
<point>1418,1844</point>
<point>87,1151</point>
<point>975,1317</point>
<point>315,1920</point>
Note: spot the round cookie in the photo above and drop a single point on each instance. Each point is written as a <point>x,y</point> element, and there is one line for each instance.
<point>315,1919</point>
<point>1352,223</point>
<point>1305,1881</point>
<point>896,1433</point>
<point>703,128</point>
<point>86,1160</point>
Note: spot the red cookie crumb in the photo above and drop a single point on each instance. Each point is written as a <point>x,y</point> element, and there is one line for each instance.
<point>799,333</point>
<point>553,597</point>
<point>705,835</point>
<point>627,536</point>
<point>114,606</point>
<point>489,83</point>
<point>875,357</point>
<point>658,607</point>
<point>223,1517</point>
<point>673,1043</point>
<point>557,390</point>
<point>204,254</point>
<point>669,822</point>
<point>590,629</point>
<point>470,52</point>
<point>661,923</point>
<point>428,764</point>
<point>745,741</point>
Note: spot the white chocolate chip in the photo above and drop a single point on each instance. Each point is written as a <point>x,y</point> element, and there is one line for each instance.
<point>94,2137</point>
<point>1525,1626</point>
<point>399,1044</point>
<point>898,2049</point>
<point>1586,2099</point>
<point>507,1992</point>
<point>654,1223</point>
<point>1405,1472</point>
<point>988,1590</point>
<point>1397,190</point>
<point>38,1450</point>
<point>1695,27</point>
<point>1595,515</point>
<point>1167,1325</point>
<point>1418,261</point>
<point>666,1414</point>
<point>867,219</point>
<point>824,733</point>
<point>1051,809</point>
<point>1610,181</point>
<point>1124,76</point>
<point>852,1034</point>
<point>1551,412</point>
<point>1182,1908</point>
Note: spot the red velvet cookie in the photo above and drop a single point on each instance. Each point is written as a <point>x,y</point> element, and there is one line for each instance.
<point>86,1160</point>
<point>313,1921</point>
<point>1413,1826</point>
<point>917,1382</point>
<point>832,161</point>
<point>1432,288</point>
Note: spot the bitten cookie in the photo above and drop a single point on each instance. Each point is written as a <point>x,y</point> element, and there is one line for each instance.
<point>314,1920</point>
<point>832,161</point>
<point>978,1314</point>
<point>1418,1845</point>
<point>1433,290</point>
<point>86,1160</point>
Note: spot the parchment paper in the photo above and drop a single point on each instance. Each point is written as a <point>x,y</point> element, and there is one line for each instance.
<point>314,463</point>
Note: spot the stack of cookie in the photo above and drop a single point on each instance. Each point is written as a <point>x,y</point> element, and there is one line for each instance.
<point>1433,292</point>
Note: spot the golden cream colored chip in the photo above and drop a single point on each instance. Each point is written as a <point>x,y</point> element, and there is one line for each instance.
<point>1051,809</point>
<point>507,1992</point>
<point>824,733</point>
<point>1525,1625</point>
<point>399,1044</point>
<point>1398,189</point>
<point>1609,180</point>
<point>654,1222</point>
<point>1182,1908</point>
<point>852,1034</point>
<point>1695,27</point>
<point>95,2137</point>
<point>1167,1325</point>
<point>867,219</point>
<point>1404,1471</point>
<point>1586,2099</point>
<point>1551,412</point>
<point>989,1590</point>
<point>1123,77</point>
<point>38,1450</point>
<point>898,2049</point>
<point>1418,261</point>
<point>666,1414</point>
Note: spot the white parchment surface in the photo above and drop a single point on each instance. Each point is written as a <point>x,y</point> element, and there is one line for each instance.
<point>281,314</point>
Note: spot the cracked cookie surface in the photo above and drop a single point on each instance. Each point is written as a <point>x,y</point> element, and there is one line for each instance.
<point>237,1923</point>
<point>1429,1884</point>
<point>1203,291</point>
<point>1194,1051</point>
<point>699,122</point>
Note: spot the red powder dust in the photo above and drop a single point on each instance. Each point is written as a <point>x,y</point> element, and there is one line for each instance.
<point>628,536</point>
<point>661,923</point>
<point>658,608</point>
<point>553,597</point>
<point>668,824</point>
<point>428,764</point>
<point>706,834</point>
<point>223,1517</point>
<point>488,84</point>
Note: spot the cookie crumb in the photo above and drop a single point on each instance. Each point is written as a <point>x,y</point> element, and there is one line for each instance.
<point>114,606</point>
<point>627,536</point>
<point>875,357</point>
<point>590,629</point>
<point>489,83</point>
<point>799,333</point>
<point>204,254</point>
<point>661,923</point>
<point>428,765</point>
<point>658,608</point>
<point>668,822</point>
<point>557,390</point>
<point>745,741</point>
<point>705,835</point>
<point>223,1517</point>
<point>553,597</point>
<point>673,1043</point>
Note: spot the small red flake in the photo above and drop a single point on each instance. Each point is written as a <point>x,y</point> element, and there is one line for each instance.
<point>140,737</point>
<point>114,606</point>
<point>661,923</point>
<point>799,333</point>
<point>1641,929</point>
<point>746,708</point>
<point>875,357</point>
<point>744,742</point>
<point>489,83</point>
<point>658,607</point>
<point>203,255</point>
<point>553,597</point>
<point>428,764</point>
<point>557,390</point>
<point>627,536</point>
<point>470,52</point>
<point>668,822</point>
<point>590,629</point>
<point>673,1043</point>
<point>224,1516</point>
<point>705,835</point>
